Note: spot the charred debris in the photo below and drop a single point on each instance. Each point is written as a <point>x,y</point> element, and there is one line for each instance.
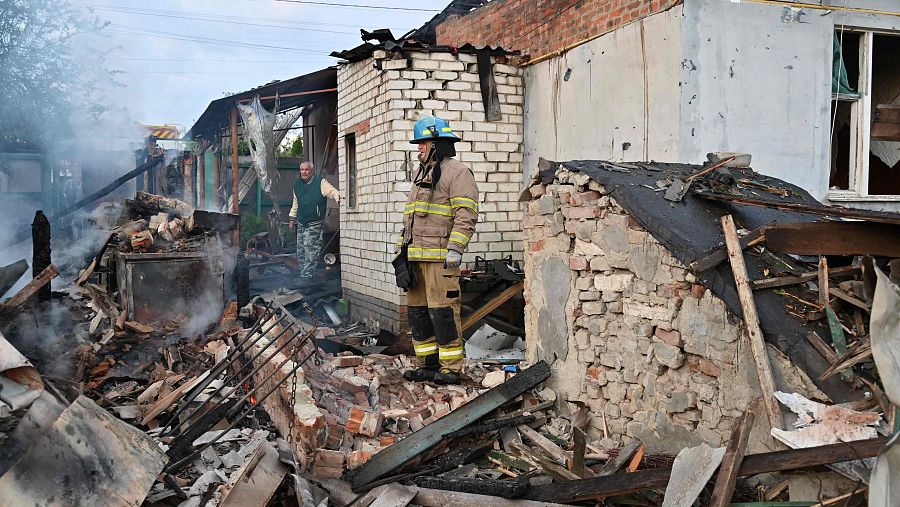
<point>149,378</point>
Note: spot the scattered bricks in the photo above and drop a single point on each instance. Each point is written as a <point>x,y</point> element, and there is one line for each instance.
<point>357,458</point>
<point>596,373</point>
<point>578,263</point>
<point>386,440</point>
<point>672,337</point>
<point>354,420</point>
<point>362,399</point>
<point>415,422</point>
<point>536,246</point>
<point>367,424</point>
<point>457,401</point>
<point>348,361</point>
<point>329,472</point>
<point>616,282</point>
<point>668,355</point>
<point>703,365</point>
<point>698,290</point>
<point>329,459</point>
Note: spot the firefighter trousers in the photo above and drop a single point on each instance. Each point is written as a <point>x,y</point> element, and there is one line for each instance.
<point>433,310</point>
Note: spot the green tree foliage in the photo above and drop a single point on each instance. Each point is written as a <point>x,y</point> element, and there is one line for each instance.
<point>294,149</point>
<point>46,76</point>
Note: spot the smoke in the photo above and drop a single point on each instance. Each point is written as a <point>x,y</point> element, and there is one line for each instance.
<point>206,309</point>
<point>65,125</point>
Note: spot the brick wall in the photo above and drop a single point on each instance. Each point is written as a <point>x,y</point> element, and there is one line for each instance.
<point>538,27</point>
<point>380,108</point>
<point>652,353</point>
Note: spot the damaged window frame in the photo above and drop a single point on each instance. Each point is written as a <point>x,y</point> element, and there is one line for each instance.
<point>860,123</point>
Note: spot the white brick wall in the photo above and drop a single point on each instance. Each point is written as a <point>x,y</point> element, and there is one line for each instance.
<point>392,99</point>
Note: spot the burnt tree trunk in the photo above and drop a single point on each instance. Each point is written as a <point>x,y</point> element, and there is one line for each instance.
<point>40,238</point>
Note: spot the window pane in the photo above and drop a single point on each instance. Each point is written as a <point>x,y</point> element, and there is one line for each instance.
<point>884,141</point>
<point>350,147</point>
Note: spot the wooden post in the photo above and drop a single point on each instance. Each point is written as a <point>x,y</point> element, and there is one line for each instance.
<point>201,178</point>
<point>235,175</point>
<point>40,250</point>
<point>823,281</point>
<point>188,163</point>
<point>217,180</point>
<point>751,321</point>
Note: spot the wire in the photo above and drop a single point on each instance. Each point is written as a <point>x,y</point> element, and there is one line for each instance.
<point>209,40</point>
<point>199,60</point>
<point>222,21</point>
<point>357,6</point>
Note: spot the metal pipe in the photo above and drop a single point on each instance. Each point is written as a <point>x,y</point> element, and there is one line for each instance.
<point>288,95</point>
<point>246,377</point>
<point>182,462</point>
<point>218,369</point>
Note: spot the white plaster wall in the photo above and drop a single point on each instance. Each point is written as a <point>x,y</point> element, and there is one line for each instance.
<point>620,101</point>
<point>755,83</point>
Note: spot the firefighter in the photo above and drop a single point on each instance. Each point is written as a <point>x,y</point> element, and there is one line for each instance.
<point>438,222</point>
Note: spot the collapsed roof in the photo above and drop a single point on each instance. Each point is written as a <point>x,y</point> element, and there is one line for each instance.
<point>691,230</point>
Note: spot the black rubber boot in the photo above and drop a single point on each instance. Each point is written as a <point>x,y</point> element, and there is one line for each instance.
<point>446,377</point>
<point>420,375</point>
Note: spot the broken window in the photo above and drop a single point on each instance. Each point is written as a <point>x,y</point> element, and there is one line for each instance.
<point>350,157</point>
<point>865,117</point>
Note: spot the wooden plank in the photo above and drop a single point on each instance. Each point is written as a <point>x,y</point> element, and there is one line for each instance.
<point>492,305</point>
<point>719,255</point>
<point>751,320</point>
<point>842,499</point>
<point>754,464</point>
<point>887,113</point>
<point>821,347</point>
<point>838,293</point>
<point>578,467</point>
<point>782,281</point>
<point>885,131</point>
<point>834,238</point>
<point>823,281</point>
<point>171,398</point>
<point>394,495</point>
<point>388,459</point>
<point>813,209</point>
<point>254,484</point>
<point>440,498</point>
<point>625,454</point>
<point>544,444</point>
<point>731,462</point>
<point>22,297</point>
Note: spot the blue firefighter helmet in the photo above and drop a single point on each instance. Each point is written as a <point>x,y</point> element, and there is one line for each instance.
<point>432,127</point>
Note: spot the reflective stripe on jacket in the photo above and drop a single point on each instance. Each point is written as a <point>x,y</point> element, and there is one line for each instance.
<point>441,218</point>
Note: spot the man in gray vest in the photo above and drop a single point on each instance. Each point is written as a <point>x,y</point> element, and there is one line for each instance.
<point>308,217</point>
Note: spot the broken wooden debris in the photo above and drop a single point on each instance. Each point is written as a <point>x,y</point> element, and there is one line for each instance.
<point>389,459</point>
<point>731,461</point>
<point>20,298</point>
<point>815,209</point>
<point>845,238</point>
<point>493,304</point>
<point>754,464</point>
<point>622,458</point>
<point>692,469</point>
<point>782,281</point>
<point>11,273</point>
<point>720,254</point>
<point>751,320</point>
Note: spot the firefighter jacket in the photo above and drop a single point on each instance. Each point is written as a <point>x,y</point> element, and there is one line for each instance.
<point>437,219</point>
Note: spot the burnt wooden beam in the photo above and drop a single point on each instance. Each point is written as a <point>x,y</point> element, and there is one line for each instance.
<point>390,458</point>
<point>754,464</point>
<point>883,217</point>
<point>718,255</point>
<point>11,273</point>
<point>40,248</point>
<point>835,238</point>
<point>22,297</point>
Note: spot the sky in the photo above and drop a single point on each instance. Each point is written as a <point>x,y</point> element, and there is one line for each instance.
<point>175,56</point>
